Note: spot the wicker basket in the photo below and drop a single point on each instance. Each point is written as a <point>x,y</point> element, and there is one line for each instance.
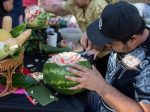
<point>7,69</point>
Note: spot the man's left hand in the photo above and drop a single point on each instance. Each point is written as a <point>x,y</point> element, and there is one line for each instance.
<point>89,79</point>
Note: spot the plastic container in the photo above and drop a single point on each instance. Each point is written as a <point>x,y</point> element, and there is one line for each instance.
<point>51,37</point>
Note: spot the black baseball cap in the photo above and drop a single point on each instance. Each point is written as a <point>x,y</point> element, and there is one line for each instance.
<point>117,21</point>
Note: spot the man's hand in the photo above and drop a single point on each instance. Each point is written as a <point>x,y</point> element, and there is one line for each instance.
<point>92,80</point>
<point>85,42</point>
<point>93,49</point>
<point>89,79</point>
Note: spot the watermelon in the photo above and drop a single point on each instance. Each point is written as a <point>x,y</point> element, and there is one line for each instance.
<point>54,71</point>
<point>35,16</point>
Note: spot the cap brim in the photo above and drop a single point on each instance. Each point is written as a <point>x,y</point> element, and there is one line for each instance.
<point>95,35</point>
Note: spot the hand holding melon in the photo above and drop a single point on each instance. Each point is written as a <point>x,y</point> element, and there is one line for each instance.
<point>54,71</point>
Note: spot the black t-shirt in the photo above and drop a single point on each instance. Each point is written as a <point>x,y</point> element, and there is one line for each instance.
<point>130,74</point>
<point>2,11</point>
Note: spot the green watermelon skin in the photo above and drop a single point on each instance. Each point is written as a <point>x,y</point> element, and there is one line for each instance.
<point>54,76</point>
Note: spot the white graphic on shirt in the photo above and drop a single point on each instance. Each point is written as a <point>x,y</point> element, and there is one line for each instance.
<point>134,58</point>
<point>111,68</point>
<point>119,65</point>
<point>144,64</point>
<point>143,80</point>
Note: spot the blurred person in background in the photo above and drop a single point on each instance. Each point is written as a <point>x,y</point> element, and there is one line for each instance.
<point>71,20</point>
<point>85,11</point>
<point>49,2</point>
<point>5,7</point>
<point>16,12</point>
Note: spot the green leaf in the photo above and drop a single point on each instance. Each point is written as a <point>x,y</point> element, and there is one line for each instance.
<point>32,45</point>
<point>18,30</point>
<point>47,49</point>
<point>25,81</point>
<point>42,94</point>
<point>20,80</point>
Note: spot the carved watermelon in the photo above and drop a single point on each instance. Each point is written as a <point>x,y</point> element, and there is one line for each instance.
<point>35,16</point>
<point>54,71</point>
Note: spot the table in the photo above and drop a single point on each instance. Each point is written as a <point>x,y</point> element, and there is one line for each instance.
<point>19,103</point>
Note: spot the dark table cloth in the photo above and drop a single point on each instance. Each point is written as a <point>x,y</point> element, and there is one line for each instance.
<point>19,103</point>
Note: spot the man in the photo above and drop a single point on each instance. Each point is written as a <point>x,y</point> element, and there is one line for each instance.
<point>126,87</point>
<point>5,7</point>
<point>85,11</point>
<point>143,8</point>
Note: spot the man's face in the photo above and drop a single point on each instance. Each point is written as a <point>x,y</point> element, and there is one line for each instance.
<point>119,47</point>
<point>116,46</point>
<point>82,3</point>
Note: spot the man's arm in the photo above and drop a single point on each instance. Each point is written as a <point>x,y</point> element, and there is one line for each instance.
<point>8,5</point>
<point>120,102</point>
<point>114,98</point>
<point>56,8</point>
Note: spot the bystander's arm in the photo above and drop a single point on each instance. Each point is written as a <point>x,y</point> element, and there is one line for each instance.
<point>56,8</point>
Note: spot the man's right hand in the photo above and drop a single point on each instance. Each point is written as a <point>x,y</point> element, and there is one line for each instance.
<point>99,51</point>
<point>85,42</point>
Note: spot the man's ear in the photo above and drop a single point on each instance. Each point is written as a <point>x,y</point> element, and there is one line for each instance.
<point>133,41</point>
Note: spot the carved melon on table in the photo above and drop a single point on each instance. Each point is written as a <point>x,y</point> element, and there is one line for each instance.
<point>54,71</point>
<point>35,16</point>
